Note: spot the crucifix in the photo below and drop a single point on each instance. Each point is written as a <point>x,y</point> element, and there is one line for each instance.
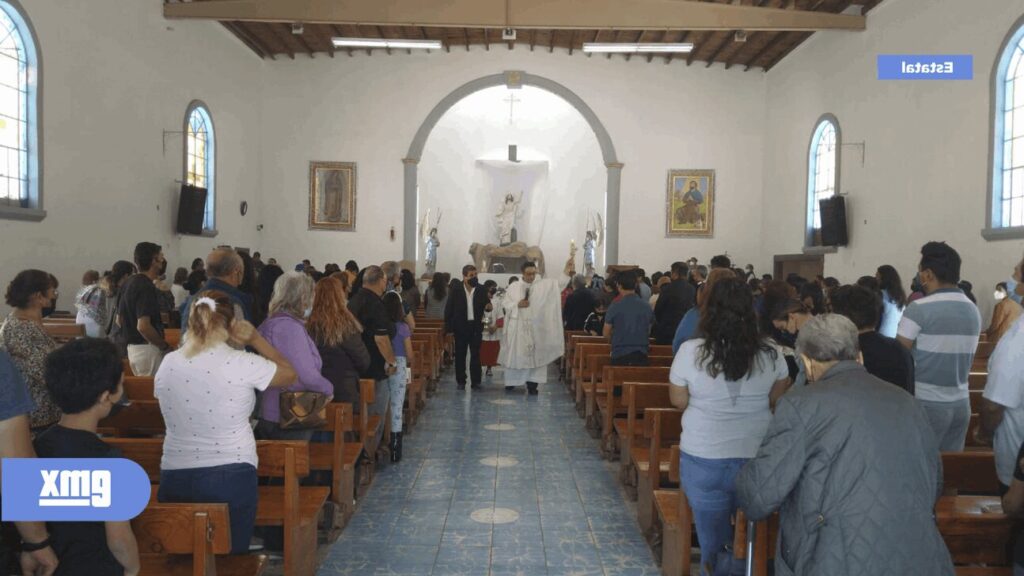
<point>511,104</point>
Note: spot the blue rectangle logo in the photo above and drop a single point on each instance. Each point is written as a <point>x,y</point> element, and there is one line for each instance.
<point>73,489</point>
<point>925,67</point>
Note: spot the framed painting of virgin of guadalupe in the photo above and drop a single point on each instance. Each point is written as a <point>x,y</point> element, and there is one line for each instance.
<point>690,204</point>
<point>332,196</point>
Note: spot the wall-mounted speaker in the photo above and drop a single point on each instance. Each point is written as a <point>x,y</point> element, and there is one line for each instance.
<point>833,221</point>
<point>191,209</point>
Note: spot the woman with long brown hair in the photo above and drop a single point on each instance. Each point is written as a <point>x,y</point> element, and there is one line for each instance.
<point>338,336</point>
<point>689,326</point>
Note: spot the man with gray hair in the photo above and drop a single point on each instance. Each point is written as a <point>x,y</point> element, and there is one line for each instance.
<point>378,330</point>
<point>393,274</point>
<point>579,305</point>
<point>853,466</point>
<point>225,271</point>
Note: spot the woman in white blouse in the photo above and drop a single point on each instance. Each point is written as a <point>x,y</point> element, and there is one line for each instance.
<point>207,390</point>
<point>725,382</point>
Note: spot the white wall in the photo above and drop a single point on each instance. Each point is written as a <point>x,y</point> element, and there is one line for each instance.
<point>926,167</point>
<point>571,180</point>
<point>115,76</point>
<point>367,110</point>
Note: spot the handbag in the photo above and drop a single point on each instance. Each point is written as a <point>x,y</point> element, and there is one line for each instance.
<point>303,410</point>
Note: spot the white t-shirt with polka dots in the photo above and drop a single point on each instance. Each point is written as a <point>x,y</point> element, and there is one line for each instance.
<point>206,402</point>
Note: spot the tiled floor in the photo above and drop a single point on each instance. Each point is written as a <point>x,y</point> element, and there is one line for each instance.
<point>495,483</point>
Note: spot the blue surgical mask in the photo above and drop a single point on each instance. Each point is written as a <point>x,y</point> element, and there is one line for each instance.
<point>307,312</point>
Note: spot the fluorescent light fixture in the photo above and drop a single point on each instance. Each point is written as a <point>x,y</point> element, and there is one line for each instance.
<point>617,48</point>
<point>386,43</point>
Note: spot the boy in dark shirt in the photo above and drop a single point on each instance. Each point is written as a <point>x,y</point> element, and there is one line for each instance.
<point>85,379</point>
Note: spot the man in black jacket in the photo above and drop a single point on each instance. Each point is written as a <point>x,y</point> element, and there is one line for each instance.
<point>676,298</point>
<point>463,317</point>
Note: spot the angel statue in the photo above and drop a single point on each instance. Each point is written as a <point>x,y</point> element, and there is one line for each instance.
<point>431,242</point>
<point>506,218</point>
<point>594,240</point>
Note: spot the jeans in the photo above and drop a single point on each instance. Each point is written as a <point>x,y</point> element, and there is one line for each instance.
<point>710,486</point>
<point>949,421</point>
<point>398,382</point>
<point>233,484</point>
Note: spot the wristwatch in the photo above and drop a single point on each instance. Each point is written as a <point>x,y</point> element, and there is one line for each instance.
<point>29,547</point>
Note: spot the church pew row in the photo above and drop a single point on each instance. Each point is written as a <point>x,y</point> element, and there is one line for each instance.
<point>612,402</point>
<point>564,365</point>
<point>63,332</point>
<point>190,540</point>
<point>662,427</point>
<point>593,359</point>
<point>296,509</point>
<point>639,396</point>
<point>676,521</point>
<point>604,378</point>
<point>971,472</point>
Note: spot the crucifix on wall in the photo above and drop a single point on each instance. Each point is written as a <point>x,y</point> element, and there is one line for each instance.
<point>511,105</point>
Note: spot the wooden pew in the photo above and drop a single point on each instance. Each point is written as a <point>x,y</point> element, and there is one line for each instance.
<point>340,458</point>
<point>139,388</point>
<point>662,427</point>
<point>172,336</point>
<point>766,533</point>
<point>370,426</point>
<point>639,397</point>
<point>570,352</point>
<point>676,521</point>
<point>141,418</point>
<point>969,473</point>
<point>597,389</point>
<point>190,539</point>
<point>610,405</point>
<point>584,368</point>
<point>593,360</point>
<point>293,508</point>
<point>974,528</point>
<point>64,332</point>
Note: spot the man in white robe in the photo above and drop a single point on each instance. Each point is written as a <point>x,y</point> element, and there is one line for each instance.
<point>532,337</point>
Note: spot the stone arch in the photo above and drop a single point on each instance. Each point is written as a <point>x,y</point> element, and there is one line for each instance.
<point>514,79</point>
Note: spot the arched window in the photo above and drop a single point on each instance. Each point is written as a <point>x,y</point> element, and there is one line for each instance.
<point>1006,178</point>
<point>822,173</point>
<point>200,164</point>
<point>20,185</point>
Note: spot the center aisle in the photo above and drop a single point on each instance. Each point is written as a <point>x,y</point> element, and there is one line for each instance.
<point>495,483</point>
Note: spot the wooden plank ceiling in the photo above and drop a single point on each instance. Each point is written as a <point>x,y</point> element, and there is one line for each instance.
<point>761,49</point>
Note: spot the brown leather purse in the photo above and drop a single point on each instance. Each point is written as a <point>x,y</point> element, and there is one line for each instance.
<point>303,410</point>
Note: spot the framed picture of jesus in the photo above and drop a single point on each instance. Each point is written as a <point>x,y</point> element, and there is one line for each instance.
<point>690,204</point>
<point>332,196</point>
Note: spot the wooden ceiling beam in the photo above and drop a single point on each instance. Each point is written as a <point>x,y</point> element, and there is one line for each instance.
<point>487,41</point>
<point>671,55</point>
<point>618,38</point>
<point>597,34</point>
<point>551,41</point>
<point>522,14</point>
<point>693,53</point>
<point>465,34</point>
<point>662,39</point>
<point>533,39</point>
<point>771,45</point>
<point>302,41</point>
<point>725,42</point>
<point>242,31</point>
<point>572,42</point>
<point>337,32</point>
<point>282,39</point>
<point>800,38</point>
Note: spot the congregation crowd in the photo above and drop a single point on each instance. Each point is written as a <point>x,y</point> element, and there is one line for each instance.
<point>828,402</point>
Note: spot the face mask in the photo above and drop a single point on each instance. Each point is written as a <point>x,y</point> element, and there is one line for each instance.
<point>49,310</point>
<point>163,268</point>
<point>474,282</point>
<point>999,295</point>
<point>307,312</point>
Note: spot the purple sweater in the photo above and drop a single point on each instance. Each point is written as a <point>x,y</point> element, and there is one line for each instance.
<point>289,336</point>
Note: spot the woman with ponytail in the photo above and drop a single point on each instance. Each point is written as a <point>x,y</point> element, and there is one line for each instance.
<point>207,392</point>
<point>725,381</point>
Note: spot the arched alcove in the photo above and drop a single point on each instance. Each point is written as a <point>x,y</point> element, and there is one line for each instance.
<point>513,79</point>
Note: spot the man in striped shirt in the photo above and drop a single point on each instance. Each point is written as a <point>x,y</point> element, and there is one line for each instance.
<point>942,330</point>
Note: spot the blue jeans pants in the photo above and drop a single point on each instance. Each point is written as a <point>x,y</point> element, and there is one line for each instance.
<point>232,484</point>
<point>710,486</point>
<point>398,383</point>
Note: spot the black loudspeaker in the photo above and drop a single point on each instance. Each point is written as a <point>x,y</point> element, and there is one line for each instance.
<point>833,221</point>
<point>191,209</point>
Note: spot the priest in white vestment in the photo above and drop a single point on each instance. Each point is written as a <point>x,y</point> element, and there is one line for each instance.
<point>532,337</point>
